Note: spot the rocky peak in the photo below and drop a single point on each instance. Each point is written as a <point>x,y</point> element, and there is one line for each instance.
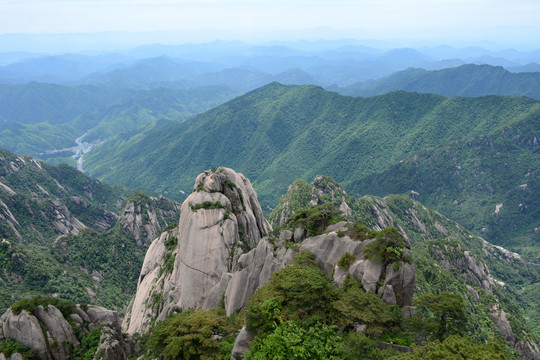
<point>221,252</point>
<point>145,217</point>
<point>188,267</point>
<point>301,195</point>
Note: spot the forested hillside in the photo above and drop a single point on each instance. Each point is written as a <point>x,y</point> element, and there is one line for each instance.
<point>464,80</point>
<point>279,133</point>
<point>67,235</point>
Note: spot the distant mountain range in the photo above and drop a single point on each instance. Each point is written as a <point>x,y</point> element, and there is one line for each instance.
<point>341,63</point>
<point>464,80</point>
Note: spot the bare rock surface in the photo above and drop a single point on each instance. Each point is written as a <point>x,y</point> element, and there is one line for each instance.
<point>217,220</point>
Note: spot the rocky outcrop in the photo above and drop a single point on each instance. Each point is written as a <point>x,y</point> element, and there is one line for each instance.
<point>53,335</point>
<point>242,344</point>
<point>207,260</point>
<point>301,195</point>
<point>271,255</point>
<point>145,217</point>
<point>189,267</point>
<point>57,200</point>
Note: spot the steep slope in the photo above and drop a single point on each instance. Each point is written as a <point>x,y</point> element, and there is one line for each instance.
<point>436,256</point>
<point>66,234</point>
<point>499,171</point>
<point>44,120</point>
<point>278,134</point>
<point>447,257</point>
<point>464,80</point>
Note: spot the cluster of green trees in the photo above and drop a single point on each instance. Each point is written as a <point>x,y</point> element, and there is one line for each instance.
<point>301,314</point>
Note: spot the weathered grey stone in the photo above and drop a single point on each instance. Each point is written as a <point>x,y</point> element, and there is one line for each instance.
<point>242,344</point>
<point>257,267</point>
<point>25,329</point>
<point>102,316</point>
<point>528,350</point>
<point>372,274</point>
<point>360,328</point>
<point>473,292</point>
<point>286,235</point>
<point>498,316</point>
<point>79,311</point>
<point>340,226</point>
<point>144,222</point>
<point>15,356</point>
<point>60,331</point>
<point>299,235</point>
<point>112,345</point>
<point>76,319</point>
<point>340,275</point>
<point>329,248</point>
<point>208,247</point>
<point>402,280</point>
<point>388,295</point>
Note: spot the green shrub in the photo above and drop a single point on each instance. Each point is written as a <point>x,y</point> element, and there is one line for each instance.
<point>346,260</point>
<point>207,205</point>
<point>354,305</point>
<point>30,305</point>
<point>171,226</point>
<point>460,347</point>
<point>9,347</point>
<point>359,346</point>
<point>171,243</point>
<point>302,290</point>
<point>89,344</point>
<point>362,232</point>
<point>315,219</point>
<point>441,314</point>
<point>190,335</point>
<point>291,341</point>
<point>388,247</point>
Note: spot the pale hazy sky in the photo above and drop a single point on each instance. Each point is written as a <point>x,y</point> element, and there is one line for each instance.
<point>372,18</point>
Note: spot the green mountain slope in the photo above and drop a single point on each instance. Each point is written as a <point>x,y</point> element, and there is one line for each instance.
<point>67,235</point>
<point>490,184</point>
<point>464,80</point>
<point>442,252</point>
<point>277,134</point>
<point>43,120</point>
<point>54,104</point>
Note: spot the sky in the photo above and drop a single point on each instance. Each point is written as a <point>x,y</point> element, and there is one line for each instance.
<point>504,21</point>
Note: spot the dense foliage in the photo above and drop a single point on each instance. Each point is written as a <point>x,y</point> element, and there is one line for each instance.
<point>192,334</point>
<point>315,219</point>
<point>388,247</point>
<point>40,118</point>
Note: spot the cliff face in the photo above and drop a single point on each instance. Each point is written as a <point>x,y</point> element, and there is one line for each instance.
<point>38,199</point>
<point>190,266</point>
<point>144,216</point>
